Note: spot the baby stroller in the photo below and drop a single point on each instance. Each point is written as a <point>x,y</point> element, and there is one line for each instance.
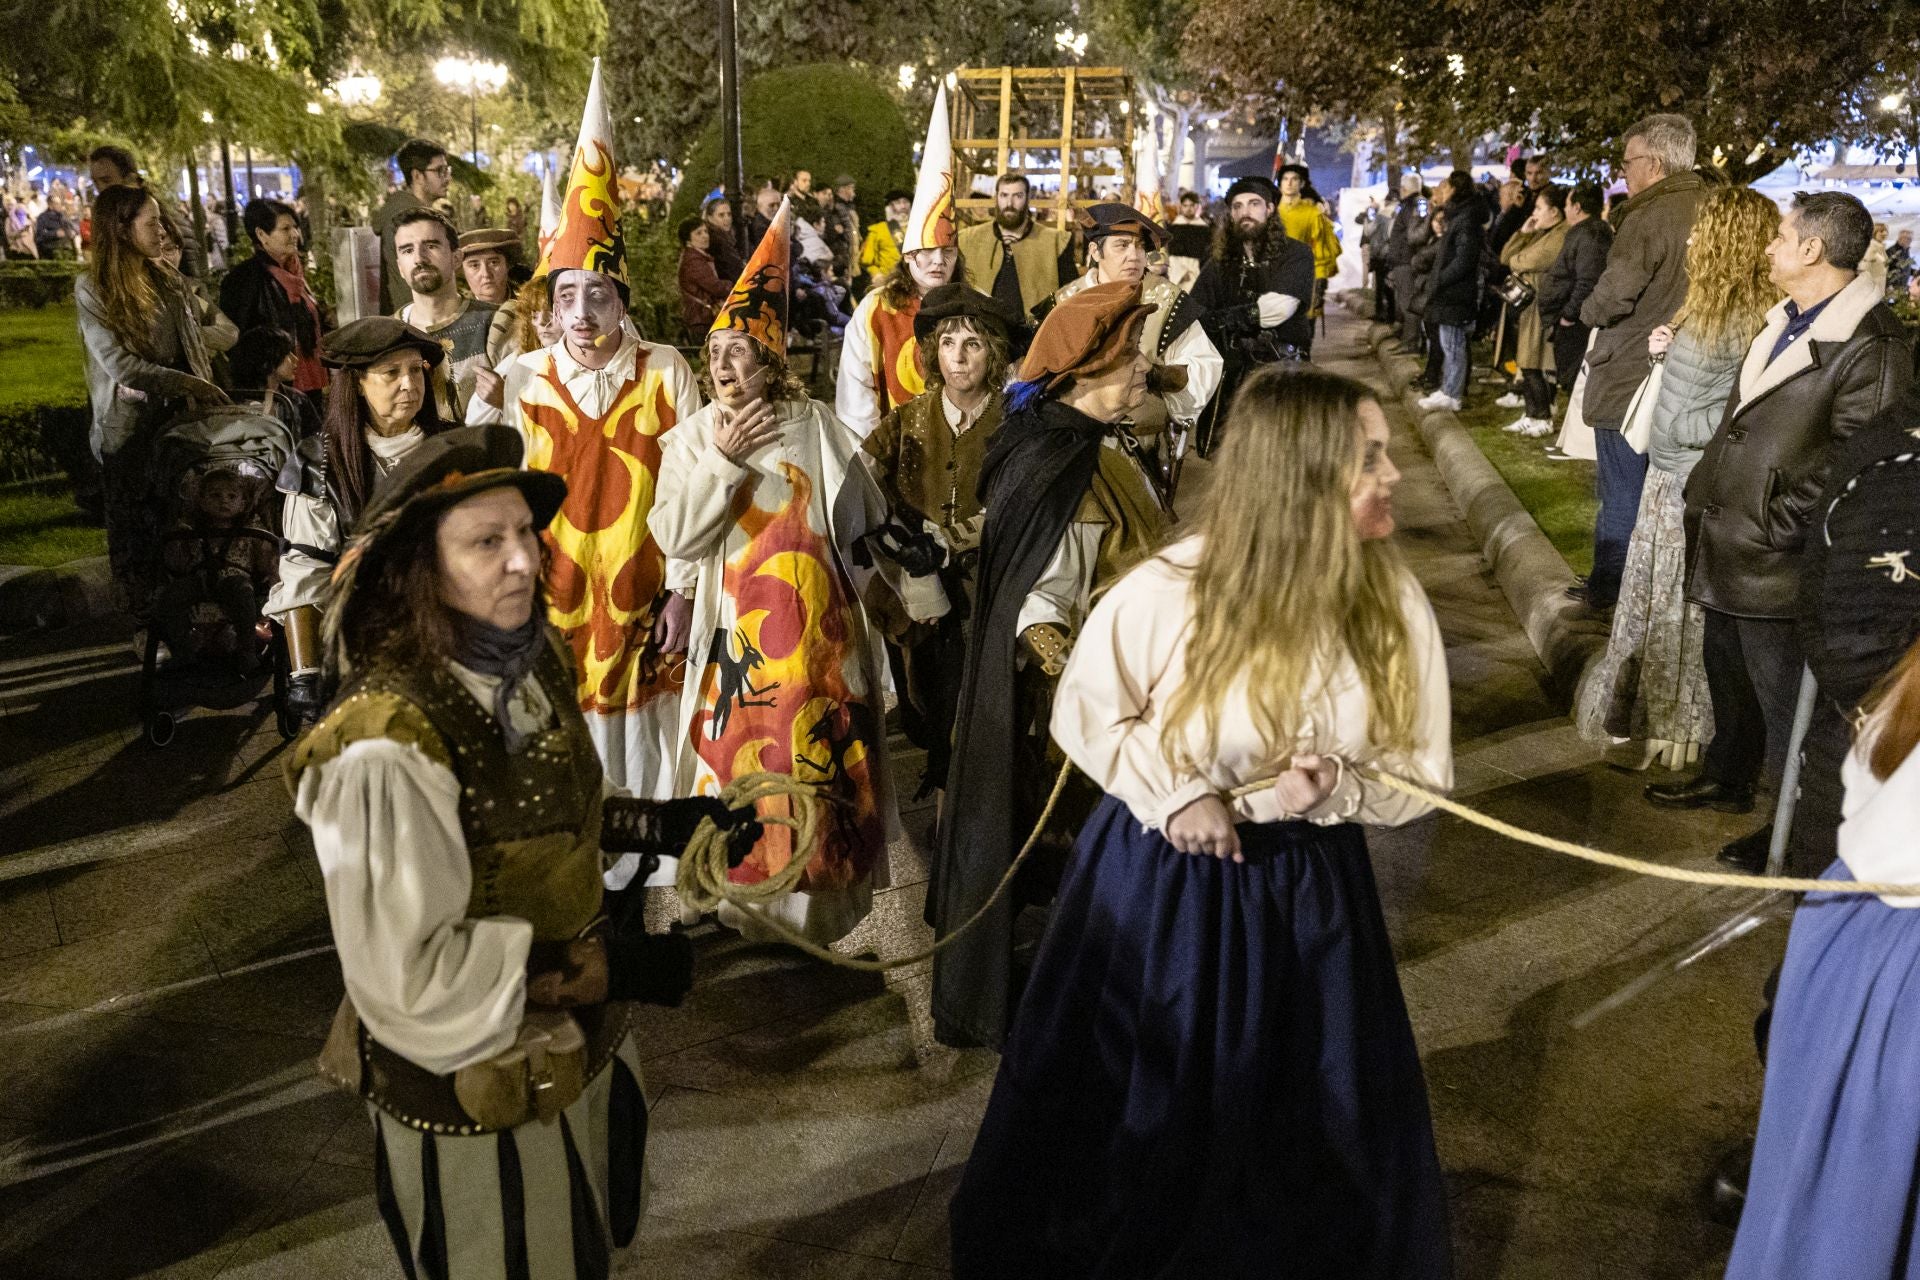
<point>210,646</point>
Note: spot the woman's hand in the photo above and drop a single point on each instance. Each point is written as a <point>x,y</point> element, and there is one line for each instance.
<point>581,980</point>
<point>204,395</point>
<point>1307,781</point>
<point>1659,340</point>
<point>742,431</point>
<point>1205,826</point>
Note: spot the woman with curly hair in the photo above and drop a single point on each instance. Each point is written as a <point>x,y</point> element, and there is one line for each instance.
<point>1649,694</point>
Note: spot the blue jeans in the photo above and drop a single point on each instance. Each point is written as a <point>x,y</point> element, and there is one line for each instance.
<point>1619,476</point>
<point>1453,358</point>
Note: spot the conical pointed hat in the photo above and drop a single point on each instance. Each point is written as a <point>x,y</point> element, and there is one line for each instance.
<point>549,215</point>
<point>1148,197</point>
<point>758,304</point>
<point>930,225</point>
<point>588,237</point>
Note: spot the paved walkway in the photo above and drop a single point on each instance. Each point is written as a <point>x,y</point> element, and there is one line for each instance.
<point>164,984</point>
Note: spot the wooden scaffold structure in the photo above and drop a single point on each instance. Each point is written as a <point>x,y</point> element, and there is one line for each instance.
<point>1065,128</point>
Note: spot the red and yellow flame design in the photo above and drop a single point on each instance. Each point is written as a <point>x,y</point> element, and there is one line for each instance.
<point>789,600</point>
<point>605,573</point>
<point>896,353</point>
<point>588,237</point>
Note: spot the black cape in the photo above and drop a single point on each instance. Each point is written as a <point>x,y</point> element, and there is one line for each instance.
<point>1036,472</point>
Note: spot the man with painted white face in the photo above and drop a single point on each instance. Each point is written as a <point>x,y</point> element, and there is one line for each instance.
<point>1121,244</point>
<point>880,366</point>
<point>926,457</point>
<point>424,246</point>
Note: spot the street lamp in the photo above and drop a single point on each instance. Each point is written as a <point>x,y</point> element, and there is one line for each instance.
<point>357,89</point>
<point>473,77</point>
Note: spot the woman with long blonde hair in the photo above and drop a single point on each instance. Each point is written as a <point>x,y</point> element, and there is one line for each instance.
<point>1212,1070</point>
<point>146,360</point>
<point>1649,694</point>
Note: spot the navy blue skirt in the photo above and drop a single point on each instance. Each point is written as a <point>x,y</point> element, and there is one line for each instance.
<point>1211,1074</point>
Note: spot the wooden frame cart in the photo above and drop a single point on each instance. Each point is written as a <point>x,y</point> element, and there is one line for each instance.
<point>1059,126</point>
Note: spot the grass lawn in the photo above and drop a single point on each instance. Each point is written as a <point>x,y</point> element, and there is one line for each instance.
<point>40,525</point>
<point>1559,495</point>
<point>40,361</point>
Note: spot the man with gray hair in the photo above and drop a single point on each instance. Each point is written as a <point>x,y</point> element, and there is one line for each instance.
<point>1411,232</point>
<point>1644,284</point>
<point>1830,358</point>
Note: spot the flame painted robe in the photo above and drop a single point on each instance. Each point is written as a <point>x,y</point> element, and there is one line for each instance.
<point>782,672</point>
<point>879,363</point>
<point>603,430</point>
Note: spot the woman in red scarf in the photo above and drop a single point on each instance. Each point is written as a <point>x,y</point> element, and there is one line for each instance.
<point>269,290</point>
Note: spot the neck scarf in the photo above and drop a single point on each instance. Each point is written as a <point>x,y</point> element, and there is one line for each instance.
<point>308,374</point>
<point>495,651</point>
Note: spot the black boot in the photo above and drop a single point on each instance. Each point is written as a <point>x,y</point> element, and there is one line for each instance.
<point>1748,853</point>
<point>1701,793</point>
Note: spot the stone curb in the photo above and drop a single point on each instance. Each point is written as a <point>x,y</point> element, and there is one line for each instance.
<point>1529,571</point>
<point>32,598</point>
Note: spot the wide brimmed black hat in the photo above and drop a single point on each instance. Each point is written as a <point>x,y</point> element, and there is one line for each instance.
<point>944,302</point>
<point>452,466</point>
<point>1110,217</point>
<point>363,342</point>
<point>1255,185</point>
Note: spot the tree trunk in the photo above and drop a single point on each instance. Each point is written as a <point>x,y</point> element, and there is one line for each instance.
<point>1390,138</point>
<point>193,191</point>
<point>1460,152</point>
<point>1200,158</point>
<point>1182,131</point>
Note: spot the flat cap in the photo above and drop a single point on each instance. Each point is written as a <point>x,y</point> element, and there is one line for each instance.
<point>362,342</point>
<point>1086,334</point>
<point>946,301</point>
<point>1110,217</point>
<point>490,240</point>
<point>453,465</point>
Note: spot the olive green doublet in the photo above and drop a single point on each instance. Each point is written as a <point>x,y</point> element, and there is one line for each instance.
<point>531,821</point>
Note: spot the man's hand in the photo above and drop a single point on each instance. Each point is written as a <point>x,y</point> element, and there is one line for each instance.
<point>674,626</point>
<point>1205,827</point>
<point>490,387</point>
<point>742,431</point>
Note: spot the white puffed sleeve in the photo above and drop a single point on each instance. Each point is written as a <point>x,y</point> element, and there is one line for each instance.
<point>1204,366</point>
<point>438,988</point>
<point>692,504</point>
<point>856,395</point>
<point>1102,706</point>
<point>1059,594</point>
<point>687,401</point>
<point>308,522</point>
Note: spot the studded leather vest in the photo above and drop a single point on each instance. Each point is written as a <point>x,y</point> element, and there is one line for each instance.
<point>531,821</point>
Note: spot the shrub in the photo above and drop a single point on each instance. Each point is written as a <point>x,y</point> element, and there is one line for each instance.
<point>823,117</point>
<point>31,282</point>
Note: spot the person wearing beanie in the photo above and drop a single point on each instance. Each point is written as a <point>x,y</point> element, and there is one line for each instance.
<point>459,817</point>
<point>1254,291</point>
<point>1067,509</point>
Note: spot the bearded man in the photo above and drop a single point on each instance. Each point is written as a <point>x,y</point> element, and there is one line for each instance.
<point>423,245</point>
<point>1254,290</point>
<point>1013,257</point>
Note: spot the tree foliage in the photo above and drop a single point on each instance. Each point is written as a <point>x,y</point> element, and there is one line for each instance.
<point>1760,78</point>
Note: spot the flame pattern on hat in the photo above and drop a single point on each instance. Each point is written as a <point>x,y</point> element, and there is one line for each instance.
<point>588,237</point>
<point>757,306</point>
<point>931,224</point>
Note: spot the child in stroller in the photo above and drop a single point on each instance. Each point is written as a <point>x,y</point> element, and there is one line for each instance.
<point>219,561</point>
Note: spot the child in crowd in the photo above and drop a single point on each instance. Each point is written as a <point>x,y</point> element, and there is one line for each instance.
<point>219,563</point>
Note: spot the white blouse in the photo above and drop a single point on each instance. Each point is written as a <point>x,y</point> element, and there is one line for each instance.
<point>435,986</point>
<point>312,522</point>
<point>1878,820</point>
<point>1131,655</point>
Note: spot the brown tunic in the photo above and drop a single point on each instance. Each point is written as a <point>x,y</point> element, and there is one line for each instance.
<point>924,468</point>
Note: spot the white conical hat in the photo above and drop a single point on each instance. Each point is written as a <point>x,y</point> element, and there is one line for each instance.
<point>1148,195</point>
<point>930,225</point>
<point>587,237</point>
<point>549,210</point>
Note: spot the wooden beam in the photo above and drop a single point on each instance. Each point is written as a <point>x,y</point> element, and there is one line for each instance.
<point>1006,115</point>
<point>1066,155</point>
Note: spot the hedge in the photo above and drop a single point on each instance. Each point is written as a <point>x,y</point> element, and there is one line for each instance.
<point>31,282</point>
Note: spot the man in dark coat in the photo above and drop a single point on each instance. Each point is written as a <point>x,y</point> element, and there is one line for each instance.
<point>1571,278</point>
<point>1644,284</point>
<point>1453,298</point>
<point>1063,513</point>
<point>1412,232</point>
<point>1254,290</point>
<point>1831,357</point>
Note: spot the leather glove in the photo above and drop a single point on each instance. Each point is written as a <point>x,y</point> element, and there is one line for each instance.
<point>654,968</point>
<point>1275,308</point>
<point>662,828</point>
<point>915,551</point>
<point>1048,646</point>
